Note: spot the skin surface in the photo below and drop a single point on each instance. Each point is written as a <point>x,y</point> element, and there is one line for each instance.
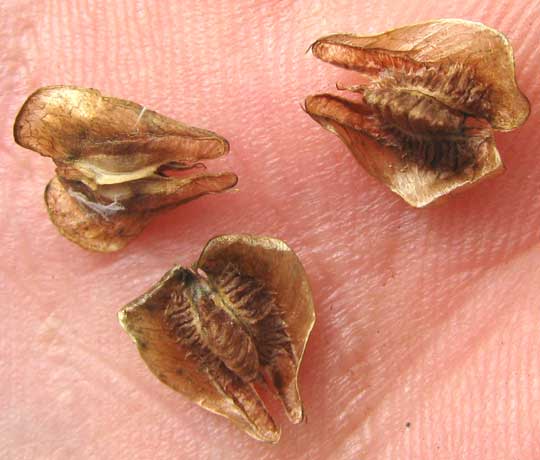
<point>427,339</point>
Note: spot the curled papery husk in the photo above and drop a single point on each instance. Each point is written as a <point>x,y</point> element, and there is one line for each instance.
<point>438,42</point>
<point>271,262</point>
<point>111,139</point>
<point>478,63</point>
<point>114,160</point>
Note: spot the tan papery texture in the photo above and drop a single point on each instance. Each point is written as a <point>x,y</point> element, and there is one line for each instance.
<point>463,74</point>
<point>115,163</point>
<point>195,368</point>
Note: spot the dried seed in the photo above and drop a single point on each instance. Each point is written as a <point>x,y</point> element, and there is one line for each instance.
<point>115,163</point>
<point>238,320</point>
<point>423,122</point>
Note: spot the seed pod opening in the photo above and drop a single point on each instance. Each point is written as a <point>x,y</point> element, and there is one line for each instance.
<point>423,124</point>
<point>116,163</point>
<point>237,320</point>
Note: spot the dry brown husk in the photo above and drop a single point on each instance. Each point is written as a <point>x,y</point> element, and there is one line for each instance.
<point>438,45</point>
<point>178,363</point>
<point>116,163</point>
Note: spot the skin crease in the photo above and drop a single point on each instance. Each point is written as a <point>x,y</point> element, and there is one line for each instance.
<point>426,344</point>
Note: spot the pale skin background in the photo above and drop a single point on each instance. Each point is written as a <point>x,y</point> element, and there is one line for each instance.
<point>427,342</point>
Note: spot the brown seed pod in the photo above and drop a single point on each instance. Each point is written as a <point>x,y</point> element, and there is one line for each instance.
<point>423,121</point>
<point>117,163</point>
<point>238,320</point>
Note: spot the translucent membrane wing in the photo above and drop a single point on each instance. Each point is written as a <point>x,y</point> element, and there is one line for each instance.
<point>174,363</point>
<point>107,134</point>
<point>438,43</point>
<point>273,262</point>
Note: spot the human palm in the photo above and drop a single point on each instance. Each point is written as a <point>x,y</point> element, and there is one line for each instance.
<point>426,343</point>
